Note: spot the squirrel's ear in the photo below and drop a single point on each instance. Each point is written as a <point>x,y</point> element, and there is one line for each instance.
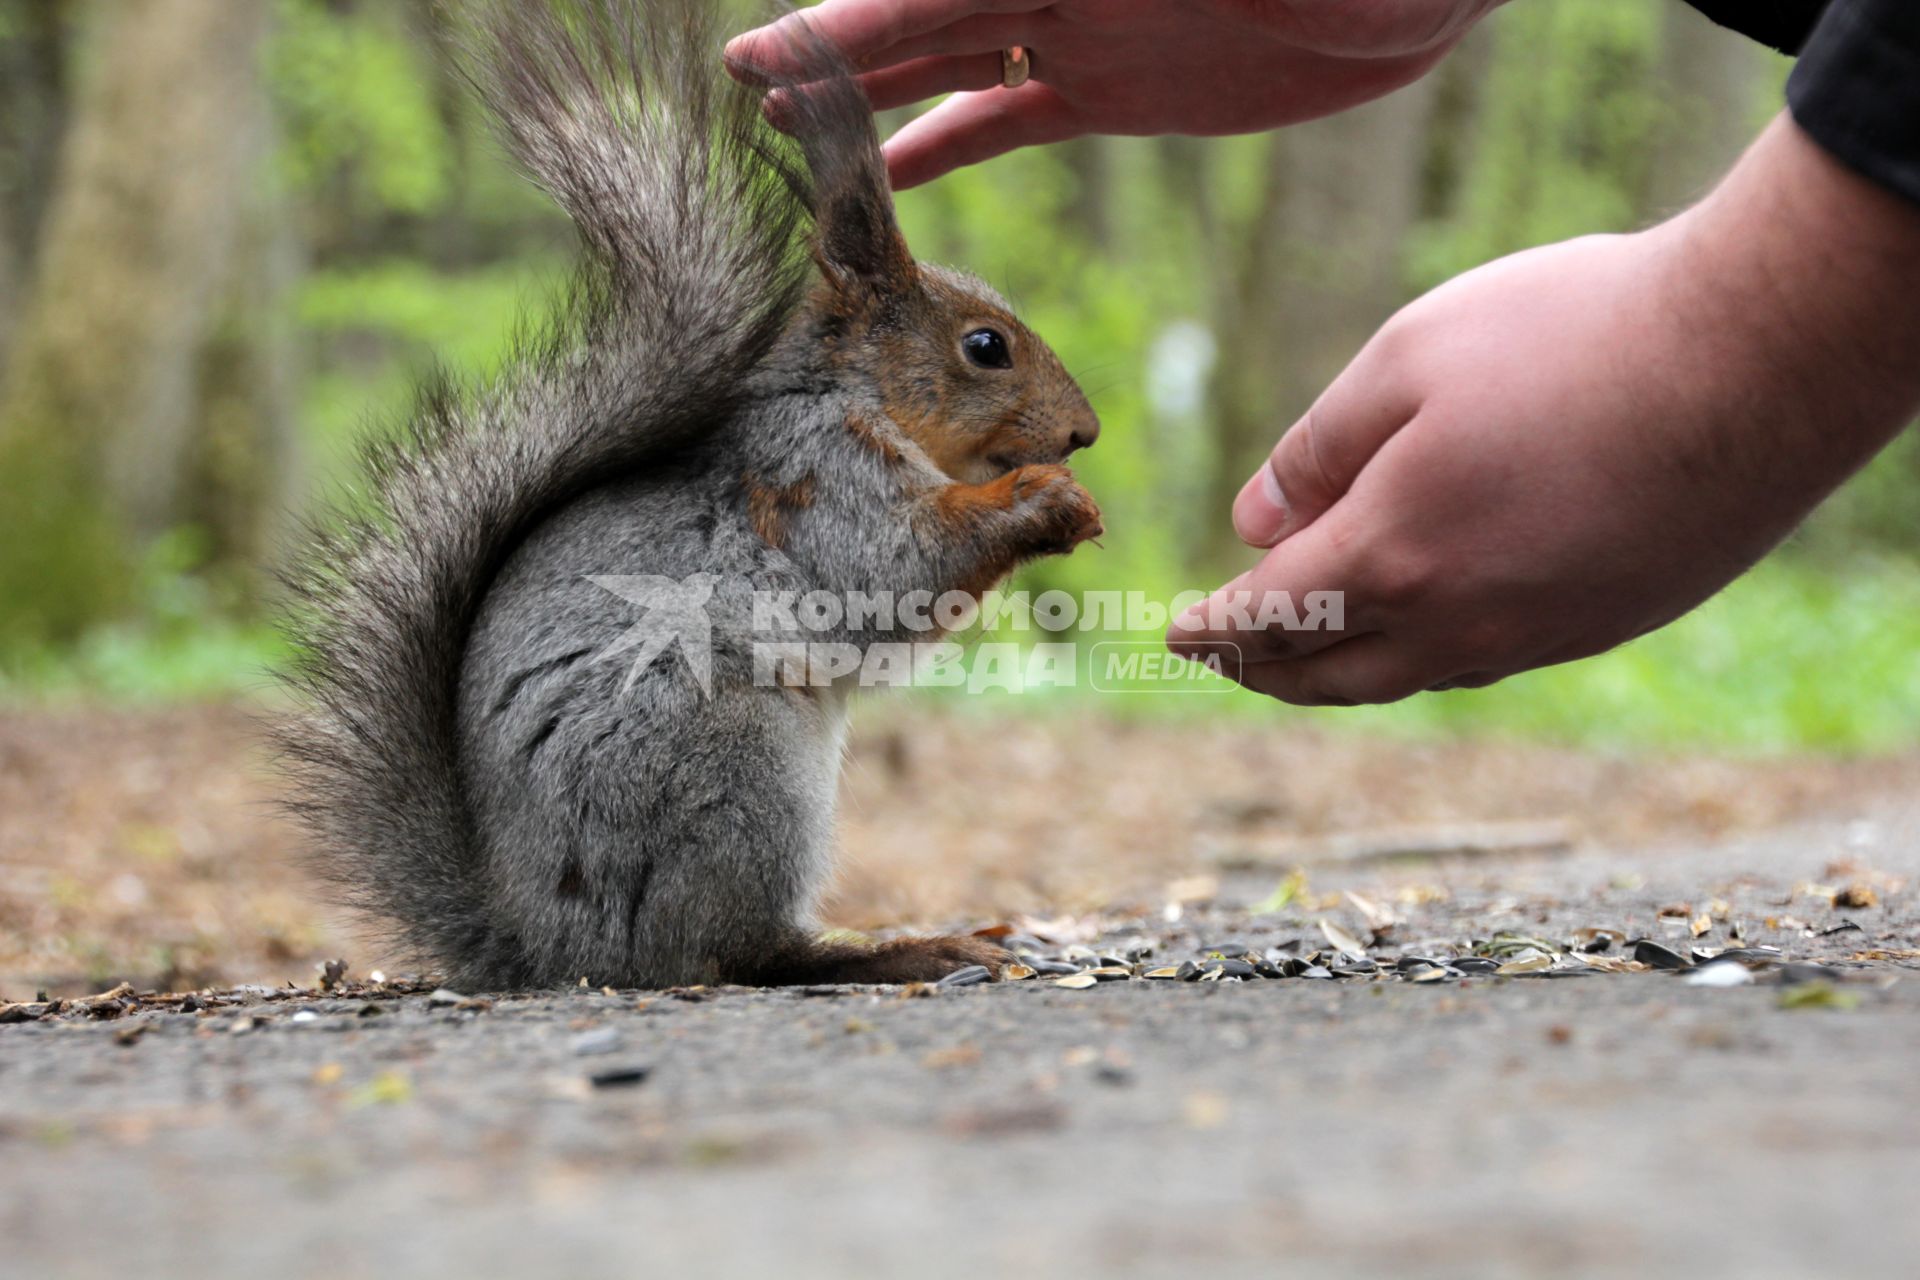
<point>856,240</point>
<point>858,243</point>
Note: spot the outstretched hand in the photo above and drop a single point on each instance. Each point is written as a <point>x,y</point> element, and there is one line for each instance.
<point>1570,447</point>
<point>1139,67</point>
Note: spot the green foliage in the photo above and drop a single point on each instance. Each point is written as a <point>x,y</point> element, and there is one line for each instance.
<point>425,247</point>
<point>355,93</point>
<point>1789,658</point>
<point>184,641</point>
<point>1565,129</point>
<point>379,326</point>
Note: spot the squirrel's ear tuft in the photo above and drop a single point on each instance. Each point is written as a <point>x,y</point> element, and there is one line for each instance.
<point>857,241</point>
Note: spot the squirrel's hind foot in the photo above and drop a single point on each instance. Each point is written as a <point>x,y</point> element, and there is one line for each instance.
<point>898,961</point>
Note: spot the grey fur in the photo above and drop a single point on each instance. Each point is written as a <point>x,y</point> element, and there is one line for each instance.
<point>525,811</point>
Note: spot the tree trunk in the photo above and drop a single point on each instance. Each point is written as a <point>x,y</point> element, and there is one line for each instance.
<point>32,113</point>
<point>1318,270</point>
<point>243,456</point>
<point>97,427</point>
<point>1090,208</point>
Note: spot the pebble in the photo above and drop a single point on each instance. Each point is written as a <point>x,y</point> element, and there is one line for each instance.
<point>598,1040</point>
<point>1721,973</point>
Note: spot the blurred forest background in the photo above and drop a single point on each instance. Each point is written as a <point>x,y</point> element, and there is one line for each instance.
<point>232,232</point>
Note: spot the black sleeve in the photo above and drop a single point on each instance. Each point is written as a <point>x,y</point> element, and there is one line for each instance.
<point>1782,24</point>
<point>1856,90</point>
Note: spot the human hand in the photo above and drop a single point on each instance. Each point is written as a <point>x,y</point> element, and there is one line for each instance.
<point>1113,66</point>
<point>1570,447</point>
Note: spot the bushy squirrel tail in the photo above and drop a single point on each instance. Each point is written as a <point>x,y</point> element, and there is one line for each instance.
<point>693,213</point>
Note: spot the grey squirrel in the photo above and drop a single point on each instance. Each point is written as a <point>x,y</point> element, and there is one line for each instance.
<point>751,386</point>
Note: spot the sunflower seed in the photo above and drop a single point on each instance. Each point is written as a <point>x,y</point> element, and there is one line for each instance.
<point>619,1077</point>
<point>1753,955</point>
<point>972,975</point>
<point>1077,982</point>
<point>1652,954</point>
<point>1342,940</point>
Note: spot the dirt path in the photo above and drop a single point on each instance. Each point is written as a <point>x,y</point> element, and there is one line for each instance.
<point>1605,1124</point>
<point>142,846</point>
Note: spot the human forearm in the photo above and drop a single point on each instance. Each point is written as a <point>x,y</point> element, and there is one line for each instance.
<point>1803,279</point>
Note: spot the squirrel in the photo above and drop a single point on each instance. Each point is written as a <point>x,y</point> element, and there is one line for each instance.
<point>750,385</point>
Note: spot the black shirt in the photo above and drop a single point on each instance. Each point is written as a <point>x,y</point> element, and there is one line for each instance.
<point>1856,89</point>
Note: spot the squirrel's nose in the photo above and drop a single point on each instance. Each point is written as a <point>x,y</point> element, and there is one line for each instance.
<point>1084,435</point>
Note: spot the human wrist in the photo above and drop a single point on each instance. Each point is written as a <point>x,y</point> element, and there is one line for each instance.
<point>1796,276</point>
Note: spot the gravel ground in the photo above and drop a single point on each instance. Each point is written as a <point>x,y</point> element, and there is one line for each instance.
<point>1600,1124</point>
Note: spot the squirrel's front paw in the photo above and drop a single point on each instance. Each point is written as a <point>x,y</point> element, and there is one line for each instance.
<point>1065,514</point>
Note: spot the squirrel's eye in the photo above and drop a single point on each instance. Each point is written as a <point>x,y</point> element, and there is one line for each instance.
<point>988,349</point>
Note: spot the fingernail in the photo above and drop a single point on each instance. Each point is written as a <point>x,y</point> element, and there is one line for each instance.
<point>1261,511</point>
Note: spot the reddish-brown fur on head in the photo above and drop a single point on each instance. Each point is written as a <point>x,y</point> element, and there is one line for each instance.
<point>904,325</point>
<point>973,420</point>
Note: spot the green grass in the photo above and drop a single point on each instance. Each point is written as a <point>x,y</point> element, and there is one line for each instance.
<point>1789,659</point>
